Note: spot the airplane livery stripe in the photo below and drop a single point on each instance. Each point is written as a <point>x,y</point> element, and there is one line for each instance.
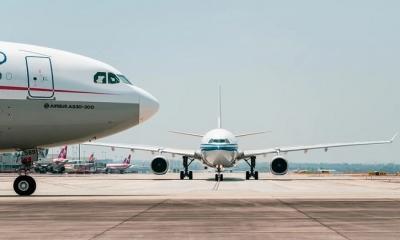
<point>214,147</point>
<point>17,88</point>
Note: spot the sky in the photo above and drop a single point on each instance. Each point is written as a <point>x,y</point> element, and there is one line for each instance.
<point>309,71</point>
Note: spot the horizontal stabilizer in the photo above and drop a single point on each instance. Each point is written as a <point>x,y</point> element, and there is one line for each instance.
<point>251,134</point>
<point>187,134</point>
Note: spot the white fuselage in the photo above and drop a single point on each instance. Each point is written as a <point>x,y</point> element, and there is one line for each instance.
<point>50,97</point>
<point>219,148</point>
<point>118,166</point>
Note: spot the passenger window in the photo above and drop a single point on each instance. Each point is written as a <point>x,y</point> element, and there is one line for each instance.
<point>100,77</point>
<point>112,78</point>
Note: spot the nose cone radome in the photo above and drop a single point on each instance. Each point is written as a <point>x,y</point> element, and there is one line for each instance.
<point>148,106</point>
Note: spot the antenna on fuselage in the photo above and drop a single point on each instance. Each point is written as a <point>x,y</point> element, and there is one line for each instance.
<point>220,109</point>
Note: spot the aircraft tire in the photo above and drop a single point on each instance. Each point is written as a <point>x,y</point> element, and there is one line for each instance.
<point>221,177</point>
<point>247,175</point>
<point>182,175</point>
<point>216,177</point>
<point>256,175</point>
<point>190,175</point>
<point>24,185</point>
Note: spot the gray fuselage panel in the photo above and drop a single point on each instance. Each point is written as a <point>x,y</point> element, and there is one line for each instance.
<point>42,122</point>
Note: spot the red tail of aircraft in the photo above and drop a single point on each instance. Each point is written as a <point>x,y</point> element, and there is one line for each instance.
<point>91,158</point>
<point>127,160</point>
<point>63,153</point>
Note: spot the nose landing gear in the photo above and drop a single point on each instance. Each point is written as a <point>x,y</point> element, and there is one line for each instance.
<point>251,173</point>
<point>219,176</point>
<point>186,172</point>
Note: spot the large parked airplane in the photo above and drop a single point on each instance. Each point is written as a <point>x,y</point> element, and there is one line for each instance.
<point>51,97</point>
<point>120,167</point>
<point>219,149</point>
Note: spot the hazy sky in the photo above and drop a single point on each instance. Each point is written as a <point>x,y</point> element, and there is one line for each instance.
<point>310,71</point>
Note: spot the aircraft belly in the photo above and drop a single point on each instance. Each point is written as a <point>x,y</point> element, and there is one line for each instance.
<point>219,157</point>
<point>30,123</point>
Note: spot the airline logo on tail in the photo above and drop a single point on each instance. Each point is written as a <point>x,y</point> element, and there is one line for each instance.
<point>91,158</point>
<point>127,160</point>
<point>62,157</point>
<point>63,153</point>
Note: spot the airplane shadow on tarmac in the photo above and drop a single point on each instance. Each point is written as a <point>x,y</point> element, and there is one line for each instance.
<point>227,179</point>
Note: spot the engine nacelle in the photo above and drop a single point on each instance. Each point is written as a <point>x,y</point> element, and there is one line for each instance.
<point>159,165</point>
<point>279,166</point>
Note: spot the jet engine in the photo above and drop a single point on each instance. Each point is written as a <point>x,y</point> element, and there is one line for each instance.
<point>279,166</point>
<point>159,165</point>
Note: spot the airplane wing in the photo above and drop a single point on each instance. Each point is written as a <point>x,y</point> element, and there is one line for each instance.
<point>278,150</point>
<point>152,149</point>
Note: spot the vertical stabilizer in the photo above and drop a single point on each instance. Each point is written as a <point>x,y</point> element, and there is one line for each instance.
<point>63,153</point>
<point>220,109</point>
<point>91,158</point>
<point>127,160</point>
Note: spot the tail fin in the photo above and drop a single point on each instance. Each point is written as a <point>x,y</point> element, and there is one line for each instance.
<point>128,160</point>
<point>91,158</point>
<point>63,153</point>
<point>220,109</point>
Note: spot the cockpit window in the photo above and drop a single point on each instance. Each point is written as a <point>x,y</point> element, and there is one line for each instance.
<point>100,77</point>
<point>219,141</point>
<point>124,79</point>
<point>112,78</point>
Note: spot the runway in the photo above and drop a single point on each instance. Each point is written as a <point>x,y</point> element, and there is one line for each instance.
<point>148,207</point>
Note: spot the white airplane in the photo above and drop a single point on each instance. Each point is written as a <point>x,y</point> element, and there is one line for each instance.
<point>120,167</point>
<point>80,166</point>
<point>219,149</point>
<point>51,97</point>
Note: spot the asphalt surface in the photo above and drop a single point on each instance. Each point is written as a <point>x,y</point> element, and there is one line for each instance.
<point>103,207</point>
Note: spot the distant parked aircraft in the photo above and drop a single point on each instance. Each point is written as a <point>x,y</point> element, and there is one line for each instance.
<point>120,167</point>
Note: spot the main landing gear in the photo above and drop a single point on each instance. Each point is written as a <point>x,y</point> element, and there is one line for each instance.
<point>251,173</point>
<point>219,177</point>
<point>25,185</point>
<point>186,172</point>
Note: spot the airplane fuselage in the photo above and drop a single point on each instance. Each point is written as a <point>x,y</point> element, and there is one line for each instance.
<point>117,166</point>
<point>219,149</point>
<point>49,97</point>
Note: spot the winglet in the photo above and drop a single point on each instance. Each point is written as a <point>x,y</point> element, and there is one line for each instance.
<point>394,137</point>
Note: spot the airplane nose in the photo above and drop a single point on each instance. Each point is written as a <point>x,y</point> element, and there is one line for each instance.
<point>148,106</point>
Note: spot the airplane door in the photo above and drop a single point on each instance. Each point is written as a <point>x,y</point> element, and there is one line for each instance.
<point>40,77</point>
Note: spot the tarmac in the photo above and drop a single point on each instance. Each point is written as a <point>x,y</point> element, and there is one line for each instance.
<point>144,206</point>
